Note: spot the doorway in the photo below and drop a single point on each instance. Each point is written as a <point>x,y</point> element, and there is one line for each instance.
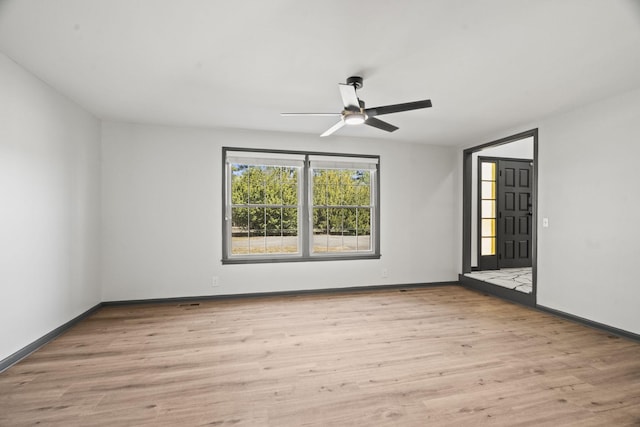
<point>504,207</point>
<point>499,217</point>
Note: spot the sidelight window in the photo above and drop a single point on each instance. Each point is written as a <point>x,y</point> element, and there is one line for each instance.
<point>488,208</point>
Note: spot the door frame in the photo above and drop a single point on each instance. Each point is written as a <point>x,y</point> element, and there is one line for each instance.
<point>467,183</point>
<point>496,160</point>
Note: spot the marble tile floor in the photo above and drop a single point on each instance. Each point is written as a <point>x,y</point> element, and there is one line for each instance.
<point>518,279</point>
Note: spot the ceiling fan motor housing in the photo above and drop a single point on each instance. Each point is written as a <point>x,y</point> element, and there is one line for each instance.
<point>355,81</point>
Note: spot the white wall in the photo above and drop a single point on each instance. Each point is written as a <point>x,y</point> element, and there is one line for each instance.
<point>521,149</point>
<point>162,207</point>
<point>589,190</point>
<point>49,209</point>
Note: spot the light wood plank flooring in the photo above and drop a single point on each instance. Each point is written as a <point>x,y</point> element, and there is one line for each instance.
<point>439,356</point>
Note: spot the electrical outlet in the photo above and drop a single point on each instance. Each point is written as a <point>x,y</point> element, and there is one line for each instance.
<point>385,273</point>
<point>545,222</point>
<point>214,281</point>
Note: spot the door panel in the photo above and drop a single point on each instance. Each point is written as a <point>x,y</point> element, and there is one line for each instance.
<point>509,201</point>
<point>524,249</point>
<point>524,178</point>
<point>524,225</point>
<point>514,213</point>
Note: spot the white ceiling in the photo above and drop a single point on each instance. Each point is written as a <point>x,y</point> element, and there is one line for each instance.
<point>487,65</point>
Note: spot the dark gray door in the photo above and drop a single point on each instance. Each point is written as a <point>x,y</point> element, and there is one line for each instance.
<point>514,213</point>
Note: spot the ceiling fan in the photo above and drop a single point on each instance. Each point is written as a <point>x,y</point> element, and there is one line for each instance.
<point>355,113</point>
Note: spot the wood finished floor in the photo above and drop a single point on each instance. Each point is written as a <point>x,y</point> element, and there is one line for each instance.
<point>439,356</point>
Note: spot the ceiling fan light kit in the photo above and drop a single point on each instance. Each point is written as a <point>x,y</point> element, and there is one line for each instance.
<point>355,118</point>
<point>355,113</point>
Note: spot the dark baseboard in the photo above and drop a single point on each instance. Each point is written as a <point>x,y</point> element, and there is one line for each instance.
<point>11,360</point>
<point>350,289</point>
<point>596,325</point>
<point>499,291</point>
<point>529,301</point>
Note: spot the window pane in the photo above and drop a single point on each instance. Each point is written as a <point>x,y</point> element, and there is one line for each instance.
<point>320,220</point>
<point>488,171</point>
<point>364,222</point>
<point>239,187</point>
<point>320,243</point>
<point>257,221</point>
<point>488,190</point>
<point>351,196</point>
<point>349,243</point>
<point>239,220</point>
<point>363,195</point>
<point>347,197</point>
<point>335,220</point>
<point>256,184</point>
<point>239,245</point>
<point>364,243</point>
<point>349,221</point>
<point>290,194</point>
<point>335,243</point>
<point>282,244</point>
<point>319,193</point>
<point>273,221</point>
<point>488,246</point>
<point>488,208</point>
<point>345,176</point>
<point>257,244</point>
<point>273,193</point>
<point>488,227</point>
<point>290,221</point>
<point>334,195</point>
<point>239,231</point>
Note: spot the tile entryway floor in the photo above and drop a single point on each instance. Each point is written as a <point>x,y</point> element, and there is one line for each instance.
<point>518,279</point>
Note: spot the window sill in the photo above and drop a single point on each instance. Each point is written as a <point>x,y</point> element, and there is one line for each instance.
<point>271,260</point>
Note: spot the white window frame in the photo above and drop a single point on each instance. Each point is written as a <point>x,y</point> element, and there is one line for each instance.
<point>307,161</point>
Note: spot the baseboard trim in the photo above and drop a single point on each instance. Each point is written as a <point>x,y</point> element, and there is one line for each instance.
<point>590,323</point>
<point>529,301</point>
<point>11,360</point>
<point>350,289</point>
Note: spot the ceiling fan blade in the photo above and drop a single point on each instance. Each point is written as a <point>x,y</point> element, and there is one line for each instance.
<point>349,97</point>
<point>311,114</point>
<point>333,128</point>
<point>396,108</point>
<point>376,123</point>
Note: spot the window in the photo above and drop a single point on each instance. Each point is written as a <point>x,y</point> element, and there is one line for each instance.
<point>488,207</point>
<point>295,206</point>
<point>342,205</point>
